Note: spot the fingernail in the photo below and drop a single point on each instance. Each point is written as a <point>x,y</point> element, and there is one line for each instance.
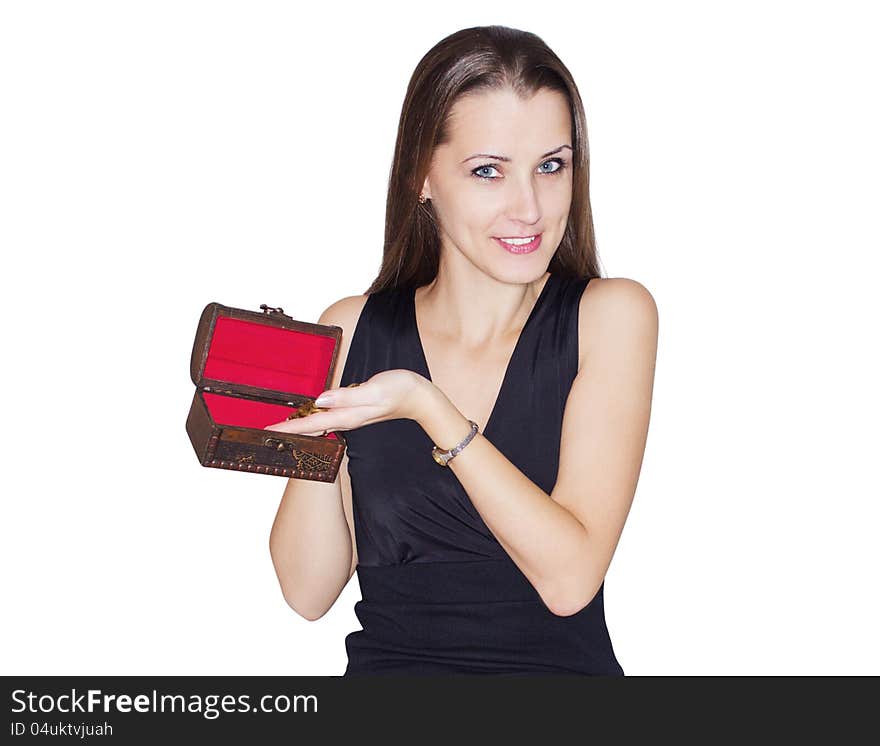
<point>324,400</point>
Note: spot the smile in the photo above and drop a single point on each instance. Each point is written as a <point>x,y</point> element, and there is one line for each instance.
<point>523,245</point>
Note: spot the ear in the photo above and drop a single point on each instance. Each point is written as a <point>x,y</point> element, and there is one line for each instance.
<point>426,188</point>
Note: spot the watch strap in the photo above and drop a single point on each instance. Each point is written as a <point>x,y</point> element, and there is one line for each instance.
<point>444,457</point>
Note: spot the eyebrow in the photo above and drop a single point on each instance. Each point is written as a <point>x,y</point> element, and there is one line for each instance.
<point>505,158</point>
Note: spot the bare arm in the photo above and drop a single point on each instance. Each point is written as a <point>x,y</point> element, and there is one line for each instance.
<point>563,542</point>
<point>311,545</point>
<point>312,539</point>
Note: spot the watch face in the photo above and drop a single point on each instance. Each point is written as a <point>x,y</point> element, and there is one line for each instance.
<point>438,457</point>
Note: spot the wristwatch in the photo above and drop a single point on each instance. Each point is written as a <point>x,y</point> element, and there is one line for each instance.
<point>444,457</point>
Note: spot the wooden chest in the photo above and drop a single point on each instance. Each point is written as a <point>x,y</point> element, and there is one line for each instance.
<point>252,369</point>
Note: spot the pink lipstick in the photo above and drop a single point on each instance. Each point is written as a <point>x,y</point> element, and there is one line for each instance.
<point>518,247</point>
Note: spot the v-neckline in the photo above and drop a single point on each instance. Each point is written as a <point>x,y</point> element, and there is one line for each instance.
<point>423,360</point>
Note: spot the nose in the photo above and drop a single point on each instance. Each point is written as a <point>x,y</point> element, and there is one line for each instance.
<point>523,204</point>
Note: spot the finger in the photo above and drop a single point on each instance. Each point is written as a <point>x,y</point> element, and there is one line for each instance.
<point>339,397</point>
<point>313,423</point>
<point>280,427</point>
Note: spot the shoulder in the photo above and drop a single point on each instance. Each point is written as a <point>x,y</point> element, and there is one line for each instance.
<point>615,310</point>
<point>345,314</point>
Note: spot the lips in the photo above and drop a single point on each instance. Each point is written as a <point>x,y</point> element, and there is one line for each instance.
<point>519,248</point>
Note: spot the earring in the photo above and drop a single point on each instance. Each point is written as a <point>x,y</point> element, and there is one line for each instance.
<point>422,199</point>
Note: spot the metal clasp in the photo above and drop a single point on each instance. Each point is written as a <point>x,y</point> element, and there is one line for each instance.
<point>270,310</point>
<point>280,445</point>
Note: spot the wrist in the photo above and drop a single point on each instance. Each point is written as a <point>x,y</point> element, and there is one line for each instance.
<point>440,418</point>
<point>425,400</point>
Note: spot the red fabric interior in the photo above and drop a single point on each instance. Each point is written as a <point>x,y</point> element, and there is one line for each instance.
<point>229,410</point>
<point>268,357</point>
<point>259,355</point>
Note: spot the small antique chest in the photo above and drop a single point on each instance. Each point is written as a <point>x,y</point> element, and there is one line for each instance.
<point>252,369</point>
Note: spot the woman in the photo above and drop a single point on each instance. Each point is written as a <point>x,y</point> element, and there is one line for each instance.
<point>496,430</point>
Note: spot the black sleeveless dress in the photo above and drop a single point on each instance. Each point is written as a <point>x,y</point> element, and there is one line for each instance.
<point>439,594</point>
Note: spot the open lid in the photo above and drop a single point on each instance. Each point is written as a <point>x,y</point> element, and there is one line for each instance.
<point>266,354</point>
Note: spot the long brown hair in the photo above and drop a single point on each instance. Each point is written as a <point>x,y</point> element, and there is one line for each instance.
<point>473,60</point>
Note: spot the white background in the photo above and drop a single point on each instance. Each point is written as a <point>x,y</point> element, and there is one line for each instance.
<point>160,155</point>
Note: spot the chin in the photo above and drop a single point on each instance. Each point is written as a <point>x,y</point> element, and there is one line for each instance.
<point>521,275</point>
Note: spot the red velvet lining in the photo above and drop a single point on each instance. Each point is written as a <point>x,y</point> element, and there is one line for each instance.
<point>268,357</point>
<point>230,410</point>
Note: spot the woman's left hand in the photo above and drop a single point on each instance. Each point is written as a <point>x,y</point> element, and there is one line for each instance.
<point>388,395</point>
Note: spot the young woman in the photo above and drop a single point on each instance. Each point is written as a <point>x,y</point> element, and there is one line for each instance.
<point>498,425</point>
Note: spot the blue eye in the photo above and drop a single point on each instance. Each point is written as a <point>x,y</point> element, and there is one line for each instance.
<point>558,161</point>
<point>480,168</point>
<point>562,164</point>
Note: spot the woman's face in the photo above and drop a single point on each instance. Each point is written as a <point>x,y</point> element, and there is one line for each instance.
<point>506,172</point>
